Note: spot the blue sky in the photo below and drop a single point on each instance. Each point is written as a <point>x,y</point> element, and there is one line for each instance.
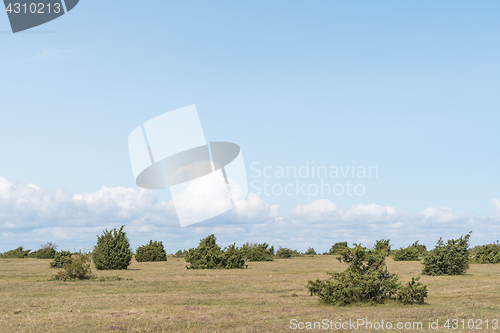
<point>409,87</point>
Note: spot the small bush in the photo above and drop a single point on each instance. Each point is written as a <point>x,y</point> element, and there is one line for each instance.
<point>153,251</point>
<point>180,253</point>
<point>487,254</point>
<point>410,253</point>
<point>413,292</point>
<point>16,253</point>
<point>76,267</point>
<point>451,258</point>
<point>60,258</point>
<point>112,250</point>
<point>209,255</point>
<point>232,257</point>
<point>284,253</point>
<point>382,247</point>
<point>337,248</point>
<point>365,280</point>
<point>310,251</point>
<point>257,252</point>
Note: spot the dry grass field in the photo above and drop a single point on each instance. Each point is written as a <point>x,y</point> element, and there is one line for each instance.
<point>166,297</point>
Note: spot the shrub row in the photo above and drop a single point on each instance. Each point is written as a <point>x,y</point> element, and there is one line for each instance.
<point>257,252</point>
<point>46,251</point>
<point>486,254</point>
<point>113,252</point>
<point>284,253</point>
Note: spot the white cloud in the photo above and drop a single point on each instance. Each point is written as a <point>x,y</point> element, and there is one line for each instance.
<point>32,206</point>
<point>254,210</point>
<point>397,225</point>
<point>370,213</point>
<point>319,210</point>
<point>31,215</point>
<point>326,211</point>
<point>442,215</point>
<point>496,203</point>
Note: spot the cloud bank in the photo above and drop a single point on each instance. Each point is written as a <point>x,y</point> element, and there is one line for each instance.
<point>30,215</point>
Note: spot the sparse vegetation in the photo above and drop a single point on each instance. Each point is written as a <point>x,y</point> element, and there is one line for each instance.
<point>219,300</point>
<point>310,251</point>
<point>366,280</point>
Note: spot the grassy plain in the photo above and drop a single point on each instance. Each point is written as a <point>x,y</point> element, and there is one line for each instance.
<point>166,297</point>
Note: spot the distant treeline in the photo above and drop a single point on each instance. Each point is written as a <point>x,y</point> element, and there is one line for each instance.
<point>46,251</point>
<point>154,251</point>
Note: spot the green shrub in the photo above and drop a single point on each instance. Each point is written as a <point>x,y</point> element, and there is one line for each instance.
<point>487,254</point>
<point>153,251</point>
<point>76,267</point>
<point>284,253</point>
<point>46,251</point>
<point>16,253</point>
<point>421,248</point>
<point>451,258</point>
<point>209,255</point>
<point>60,258</point>
<point>233,257</point>
<point>112,250</point>
<point>410,253</point>
<point>365,280</point>
<point>310,251</point>
<point>337,247</point>
<point>413,292</point>
<point>43,254</point>
<point>180,253</point>
<point>382,247</point>
<point>257,252</point>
